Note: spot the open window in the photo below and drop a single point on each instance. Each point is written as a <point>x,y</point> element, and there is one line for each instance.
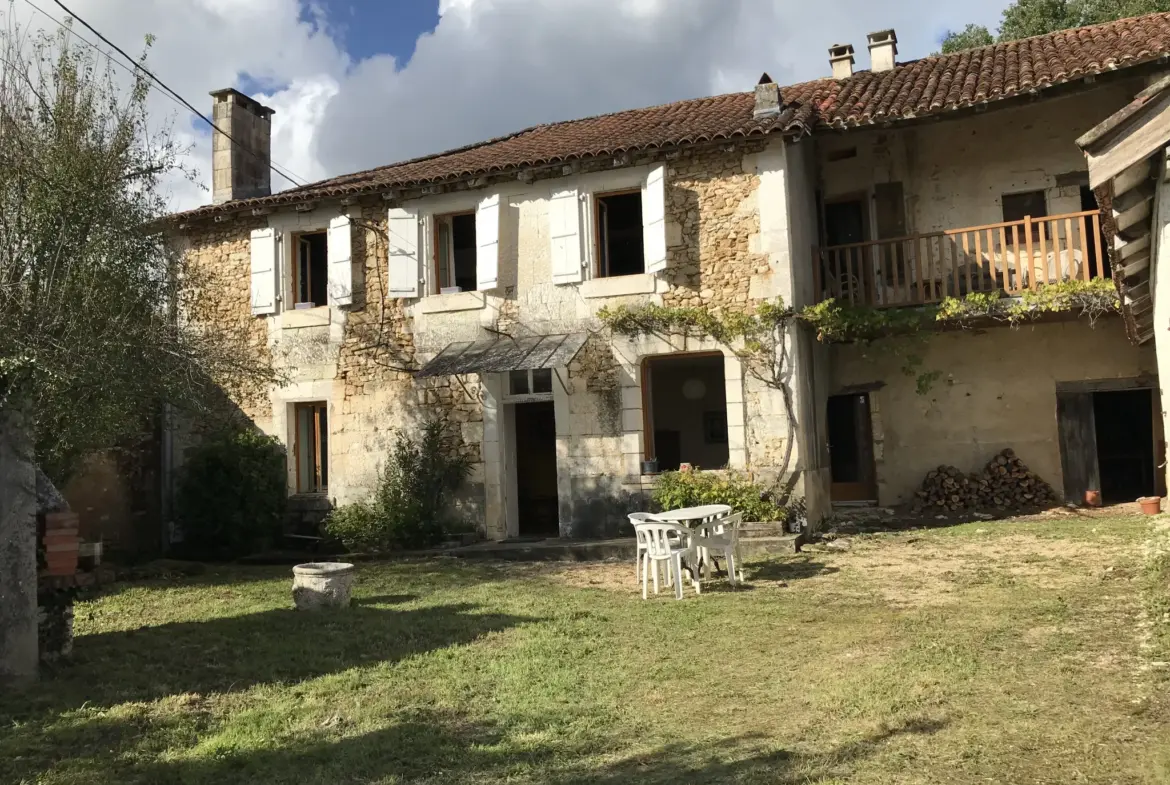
<point>620,245</point>
<point>311,269</point>
<point>686,411</point>
<point>311,447</point>
<point>455,253</point>
<point>1017,207</point>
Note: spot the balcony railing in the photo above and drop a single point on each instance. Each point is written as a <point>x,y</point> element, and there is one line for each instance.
<point>926,268</point>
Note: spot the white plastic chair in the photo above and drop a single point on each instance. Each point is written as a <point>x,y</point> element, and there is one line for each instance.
<point>640,537</point>
<point>668,543</point>
<point>722,534</point>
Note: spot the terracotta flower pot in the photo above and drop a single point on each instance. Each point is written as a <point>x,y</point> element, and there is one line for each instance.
<point>1151,505</point>
<point>1092,498</point>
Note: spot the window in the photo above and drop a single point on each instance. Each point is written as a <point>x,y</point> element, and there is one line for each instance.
<point>311,270</point>
<point>620,248</point>
<point>455,253</point>
<point>686,411</point>
<point>311,447</point>
<point>534,382</point>
<point>1017,207</point>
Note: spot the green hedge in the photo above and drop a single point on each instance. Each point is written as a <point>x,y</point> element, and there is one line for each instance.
<point>689,489</point>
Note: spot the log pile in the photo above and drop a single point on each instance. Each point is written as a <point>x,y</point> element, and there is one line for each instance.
<point>1005,484</point>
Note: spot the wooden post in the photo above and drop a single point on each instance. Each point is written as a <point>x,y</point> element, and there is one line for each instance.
<point>818,292</point>
<point>1084,251</point>
<point>1028,248</point>
<point>978,257</point>
<point>1043,226</point>
<point>1097,242</point>
<point>919,266</point>
<point>1003,247</point>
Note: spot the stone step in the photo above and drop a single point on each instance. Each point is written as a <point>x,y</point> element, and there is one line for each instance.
<point>751,531</point>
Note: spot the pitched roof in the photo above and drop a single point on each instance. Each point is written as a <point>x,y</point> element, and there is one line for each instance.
<point>926,87</point>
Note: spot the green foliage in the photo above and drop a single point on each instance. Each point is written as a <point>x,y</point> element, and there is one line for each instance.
<point>675,490</point>
<point>89,346</point>
<point>411,506</point>
<point>970,37</point>
<point>231,494</point>
<point>1025,18</point>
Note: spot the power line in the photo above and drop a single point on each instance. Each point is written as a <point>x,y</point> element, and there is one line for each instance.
<point>163,88</point>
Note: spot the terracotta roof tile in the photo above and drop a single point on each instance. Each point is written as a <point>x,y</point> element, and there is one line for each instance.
<point>923,87</point>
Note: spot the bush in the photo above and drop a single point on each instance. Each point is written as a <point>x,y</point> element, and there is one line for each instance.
<point>231,495</point>
<point>410,508</point>
<point>689,489</point>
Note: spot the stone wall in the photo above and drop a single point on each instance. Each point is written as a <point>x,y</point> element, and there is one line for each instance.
<point>997,390</point>
<point>360,358</point>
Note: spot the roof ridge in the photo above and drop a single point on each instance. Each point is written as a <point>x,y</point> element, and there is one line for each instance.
<point>915,88</point>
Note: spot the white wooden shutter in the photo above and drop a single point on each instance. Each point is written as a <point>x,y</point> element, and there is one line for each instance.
<point>340,244</point>
<point>564,221</point>
<point>263,271</point>
<point>404,272</point>
<point>487,240</point>
<point>654,220</point>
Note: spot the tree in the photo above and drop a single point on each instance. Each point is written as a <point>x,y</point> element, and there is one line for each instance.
<point>1025,18</point>
<point>91,343</point>
<point>970,37</point>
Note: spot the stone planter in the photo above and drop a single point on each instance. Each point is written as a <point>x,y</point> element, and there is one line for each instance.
<point>322,585</point>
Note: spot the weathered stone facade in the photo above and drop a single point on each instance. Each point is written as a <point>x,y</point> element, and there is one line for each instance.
<point>361,358</point>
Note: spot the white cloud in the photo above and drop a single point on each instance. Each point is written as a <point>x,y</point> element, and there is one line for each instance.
<point>490,67</point>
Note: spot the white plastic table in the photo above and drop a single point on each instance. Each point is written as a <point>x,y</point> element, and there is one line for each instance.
<point>692,517</point>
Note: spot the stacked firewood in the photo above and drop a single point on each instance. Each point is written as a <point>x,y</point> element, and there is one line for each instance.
<point>1005,484</point>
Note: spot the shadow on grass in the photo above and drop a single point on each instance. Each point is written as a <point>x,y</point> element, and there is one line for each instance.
<point>443,747</point>
<point>788,570</point>
<point>234,653</point>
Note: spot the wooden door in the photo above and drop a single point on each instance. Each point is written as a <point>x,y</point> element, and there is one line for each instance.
<point>854,477</point>
<point>1077,429</point>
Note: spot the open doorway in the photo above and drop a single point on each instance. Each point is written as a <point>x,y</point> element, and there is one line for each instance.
<point>1125,444</point>
<point>854,478</point>
<point>1110,441</point>
<point>686,411</point>
<point>536,470</point>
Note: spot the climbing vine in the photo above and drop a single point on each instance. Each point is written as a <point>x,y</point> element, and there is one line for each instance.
<point>757,337</point>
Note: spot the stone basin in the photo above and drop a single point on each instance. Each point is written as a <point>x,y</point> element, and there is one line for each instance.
<point>322,585</point>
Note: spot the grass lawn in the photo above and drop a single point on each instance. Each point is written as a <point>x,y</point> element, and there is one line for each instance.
<point>999,652</point>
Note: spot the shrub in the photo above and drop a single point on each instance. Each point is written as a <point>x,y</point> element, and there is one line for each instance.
<point>231,494</point>
<point>689,489</point>
<point>410,508</point>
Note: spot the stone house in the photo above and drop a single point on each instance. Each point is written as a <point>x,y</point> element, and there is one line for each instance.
<point>468,284</point>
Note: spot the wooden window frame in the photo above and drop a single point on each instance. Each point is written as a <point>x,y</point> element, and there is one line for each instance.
<point>436,219</point>
<point>296,263</point>
<point>322,479</point>
<point>648,393</point>
<point>597,250</point>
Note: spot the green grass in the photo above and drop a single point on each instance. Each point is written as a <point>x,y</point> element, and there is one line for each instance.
<point>997,652</point>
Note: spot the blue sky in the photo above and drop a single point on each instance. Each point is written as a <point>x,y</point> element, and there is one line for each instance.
<point>369,27</point>
<point>363,83</point>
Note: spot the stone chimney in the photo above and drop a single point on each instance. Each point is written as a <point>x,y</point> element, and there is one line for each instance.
<point>767,97</point>
<point>841,59</point>
<point>240,165</point>
<point>883,46</point>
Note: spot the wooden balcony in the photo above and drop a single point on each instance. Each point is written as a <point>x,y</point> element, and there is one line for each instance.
<point>1005,258</point>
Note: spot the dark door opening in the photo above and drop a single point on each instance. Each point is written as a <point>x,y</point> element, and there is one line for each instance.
<point>846,224</point>
<point>851,449</point>
<point>1110,441</point>
<point>536,470</point>
<point>1125,444</point>
<point>1089,202</point>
